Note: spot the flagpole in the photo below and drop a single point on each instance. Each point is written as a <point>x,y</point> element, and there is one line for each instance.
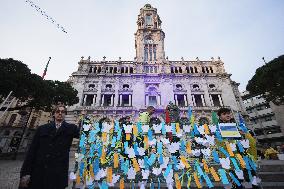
<point>45,69</point>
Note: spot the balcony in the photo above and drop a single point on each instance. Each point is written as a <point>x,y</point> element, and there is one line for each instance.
<point>256,126</point>
<point>270,136</point>
<point>105,108</point>
<point>253,114</point>
<point>108,90</point>
<point>259,101</point>
<point>248,104</point>
<point>265,111</point>
<point>275,135</point>
<point>269,123</point>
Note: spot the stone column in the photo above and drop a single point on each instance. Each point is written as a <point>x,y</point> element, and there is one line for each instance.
<point>203,101</point>
<point>159,100</point>
<point>147,100</point>
<point>206,92</point>
<point>111,100</point>
<point>130,100</point>
<point>211,100</point>
<point>193,100</point>
<point>103,100</point>
<point>94,100</point>
<point>175,99</point>
<point>120,99</point>
<point>116,95</point>
<point>81,102</point>
<point>99,97</point>
<point>185,100</point>
<point>220,100</point>
<point>190,103</point>
<point>84,101</point>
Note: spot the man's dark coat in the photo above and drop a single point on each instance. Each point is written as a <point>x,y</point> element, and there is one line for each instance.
<point>47,160</point>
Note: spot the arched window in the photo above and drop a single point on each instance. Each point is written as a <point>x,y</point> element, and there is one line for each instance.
<point>12,119</point>
<point>207,70</point>
<point>125,86</point>
<point>178,86</point>
<point>91,69</point>
<point>95,69</point>
<point>92,86</point>
<point>109,86</point>
<point>99,70</point>
<point>212,86</point>
<point>187,70</point>
<point>195,86</point>
<point>176,70</point>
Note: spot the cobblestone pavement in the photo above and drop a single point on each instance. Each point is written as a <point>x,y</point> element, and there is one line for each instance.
<point>10,173</point>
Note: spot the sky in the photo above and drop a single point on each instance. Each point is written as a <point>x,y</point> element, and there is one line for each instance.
<point>240,32</point>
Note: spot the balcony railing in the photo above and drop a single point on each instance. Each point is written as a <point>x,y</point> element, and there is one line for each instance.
<point>269,123</point>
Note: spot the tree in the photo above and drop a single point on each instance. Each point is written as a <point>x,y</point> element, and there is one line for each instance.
<point>14,76</point>
<point>269,81</point>
<point>31,88</point>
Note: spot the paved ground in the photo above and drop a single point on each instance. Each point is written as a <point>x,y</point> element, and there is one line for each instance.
<point>10,173</point>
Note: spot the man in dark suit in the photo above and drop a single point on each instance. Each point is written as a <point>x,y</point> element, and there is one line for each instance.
<point>47,161</point>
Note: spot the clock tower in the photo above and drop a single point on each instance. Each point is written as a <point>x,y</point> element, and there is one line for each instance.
<point>149,38</point>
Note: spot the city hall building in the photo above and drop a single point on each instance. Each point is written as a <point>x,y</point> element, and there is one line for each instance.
<point>126,87</point>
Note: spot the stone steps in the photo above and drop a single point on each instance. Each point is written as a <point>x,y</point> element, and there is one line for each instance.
<point>70,118</point>
<point>272,185</point>
<point>271,173</point>
<point>271,176</point>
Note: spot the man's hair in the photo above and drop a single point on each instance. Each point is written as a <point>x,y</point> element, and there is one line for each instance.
<point>150,108</point>
<point>223,110</point>
<point>56,107</point>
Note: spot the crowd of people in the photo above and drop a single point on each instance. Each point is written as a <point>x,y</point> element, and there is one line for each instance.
<point>46,163</point>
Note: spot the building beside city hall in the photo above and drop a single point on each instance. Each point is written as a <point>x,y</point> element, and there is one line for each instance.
<point>126,87</point>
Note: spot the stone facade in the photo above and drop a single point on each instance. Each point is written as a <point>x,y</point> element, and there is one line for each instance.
<point>17,127</point>
<point>119,88</point>
<point>266,119</point>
